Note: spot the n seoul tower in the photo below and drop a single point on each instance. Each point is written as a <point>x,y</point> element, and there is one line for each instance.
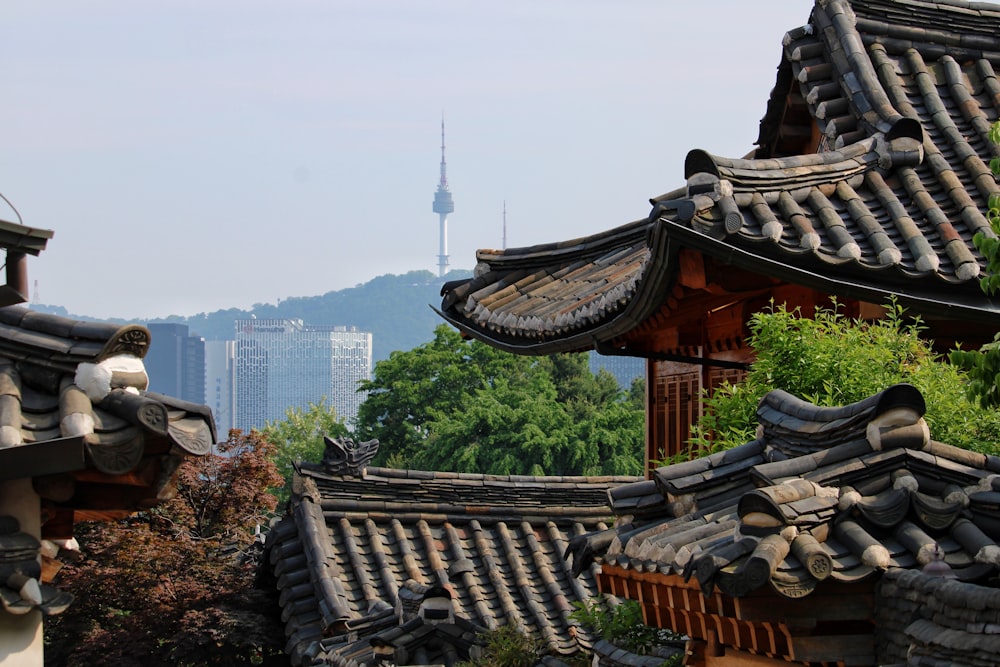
<point>443,205</point>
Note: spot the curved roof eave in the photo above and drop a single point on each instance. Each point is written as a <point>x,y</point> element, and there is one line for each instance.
<point>656,281</point>
<point>976,306</point>
<point>859,217</point>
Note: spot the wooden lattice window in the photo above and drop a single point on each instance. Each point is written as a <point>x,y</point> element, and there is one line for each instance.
<point>675,407</point>
<point>719,376</point>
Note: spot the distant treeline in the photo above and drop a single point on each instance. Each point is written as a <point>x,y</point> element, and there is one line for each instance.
<point>394,308</point>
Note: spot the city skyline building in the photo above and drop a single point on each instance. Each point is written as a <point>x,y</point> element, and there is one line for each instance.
<point>444,205</point>
<point>175,362</point>
<point>283,363</point>
<point>219,361</point>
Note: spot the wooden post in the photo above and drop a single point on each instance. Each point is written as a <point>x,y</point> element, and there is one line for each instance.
<point>21,636</point>
<point>17,272</point>
<point>649,402</point>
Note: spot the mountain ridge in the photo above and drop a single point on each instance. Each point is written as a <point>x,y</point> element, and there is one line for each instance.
<point>396,309</point>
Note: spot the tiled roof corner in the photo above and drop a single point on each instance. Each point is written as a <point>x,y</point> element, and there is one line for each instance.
<point>76,416</point>
<point>838,493</point>
<point>357,552</point>
<point>901,94</point>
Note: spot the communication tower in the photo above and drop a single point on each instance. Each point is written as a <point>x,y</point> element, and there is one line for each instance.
<point>443,205</point>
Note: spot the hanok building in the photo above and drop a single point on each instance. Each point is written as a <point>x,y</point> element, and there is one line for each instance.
<point>870,178</point>
<point>379,566</point>
<point>80,439</point>
<point>815,543</point>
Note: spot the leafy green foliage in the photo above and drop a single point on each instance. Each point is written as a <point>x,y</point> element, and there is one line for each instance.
<point>405,387</point>
<point>506,647</point>
<point>299,437</point>
<point>983,365</point>
<point>832,360</point>
<point>464,406</point>
<point>622,625</point>
<point>175,585</point>
<point>989,246</point>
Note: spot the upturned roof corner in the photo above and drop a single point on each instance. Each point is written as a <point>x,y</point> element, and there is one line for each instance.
<point>869,181</point>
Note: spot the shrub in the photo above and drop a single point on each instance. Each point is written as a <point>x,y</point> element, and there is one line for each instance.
<point>506,647</point>
<point>833,360</point>
<point>622,625</point>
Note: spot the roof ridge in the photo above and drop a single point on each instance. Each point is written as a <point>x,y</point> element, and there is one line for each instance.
<point>396,473</point>
<point>773,174</point>
<point>955,22</point>
<point>837,27</point>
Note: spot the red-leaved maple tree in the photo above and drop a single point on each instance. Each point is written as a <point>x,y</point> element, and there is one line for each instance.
<point>175,585</point>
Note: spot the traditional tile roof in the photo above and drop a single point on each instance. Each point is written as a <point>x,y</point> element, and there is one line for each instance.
<point>870,180</point>
<point>360,549</point>
<point>928,621</point>
<point>76,421</point>
<point>822,495</point>
<point>75,416</point>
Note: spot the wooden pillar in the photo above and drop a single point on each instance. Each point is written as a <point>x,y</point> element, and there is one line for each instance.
<point>17,272</point>
<point>21,635</point>
<point>649,437</point>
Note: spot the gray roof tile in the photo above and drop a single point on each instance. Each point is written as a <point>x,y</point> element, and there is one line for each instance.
<point>496,542</point>
<point>863,509</point>
<point>120,427</point>
<point>101,453</point>
<point>886,207</point>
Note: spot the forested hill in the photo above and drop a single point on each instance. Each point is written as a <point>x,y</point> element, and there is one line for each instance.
<point>394,308</point>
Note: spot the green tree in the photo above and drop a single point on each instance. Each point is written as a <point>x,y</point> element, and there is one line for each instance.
<point>983,365</point>
<point>830,359</point>
<point>299,437</point>
<point>510,427</point>
<point>454,404</point>
<point>404,388</point>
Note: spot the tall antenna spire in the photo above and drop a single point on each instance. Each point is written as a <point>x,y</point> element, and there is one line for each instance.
<point>444,165</point>
<point>504,246</point>
<point>443,205</point>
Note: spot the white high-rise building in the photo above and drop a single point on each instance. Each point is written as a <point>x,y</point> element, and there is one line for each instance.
<point>282,364</point>
<point>219,356</point>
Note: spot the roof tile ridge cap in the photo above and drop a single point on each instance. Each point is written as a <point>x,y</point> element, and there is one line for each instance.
<point>12,315</point>
<point>848,154</point>
<point>324,570</point>
<point>308,490</point>
<point>843,20</point>
<point>132,339</point>
<point>585,245</point>
<point>380,471</point>
<point>75,328</point>
<point>787,403</point>
<point>880,27</point>
<point>114,338</point>
<point>25,231</point>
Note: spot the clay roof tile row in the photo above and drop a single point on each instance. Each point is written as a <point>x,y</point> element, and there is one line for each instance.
<point>902,94</point>
<point>847,488</point>
<point>358,544</point>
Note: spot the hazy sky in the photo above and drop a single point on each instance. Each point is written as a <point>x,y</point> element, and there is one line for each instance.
<point>194,155</point>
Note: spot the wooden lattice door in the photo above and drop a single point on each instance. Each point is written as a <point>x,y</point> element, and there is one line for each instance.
<point>674,407</point>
